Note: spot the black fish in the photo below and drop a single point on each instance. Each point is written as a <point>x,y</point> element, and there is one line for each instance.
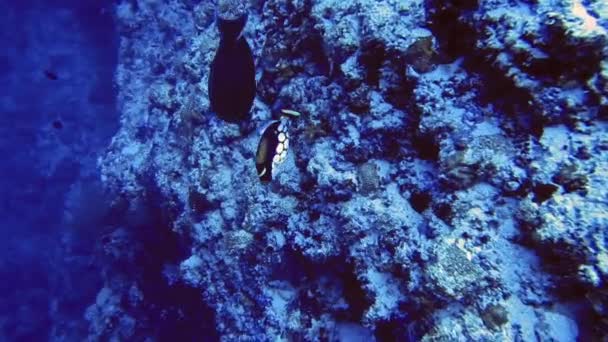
<point>50,75</point>
<point>232,77</point>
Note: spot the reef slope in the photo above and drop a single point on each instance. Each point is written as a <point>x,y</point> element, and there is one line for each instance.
<point>447,179</point>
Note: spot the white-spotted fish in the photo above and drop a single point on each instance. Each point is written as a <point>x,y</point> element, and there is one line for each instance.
<point>273,146</point>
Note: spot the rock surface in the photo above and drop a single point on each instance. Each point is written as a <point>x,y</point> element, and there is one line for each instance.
<point>446,181</point>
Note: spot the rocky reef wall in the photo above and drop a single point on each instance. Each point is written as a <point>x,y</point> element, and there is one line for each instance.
<point>446,180</point>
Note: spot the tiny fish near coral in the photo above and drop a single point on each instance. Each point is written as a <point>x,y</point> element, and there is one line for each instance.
<point>51,75</point>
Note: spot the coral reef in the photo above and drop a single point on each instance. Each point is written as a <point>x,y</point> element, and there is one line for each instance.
<point>446,181</point>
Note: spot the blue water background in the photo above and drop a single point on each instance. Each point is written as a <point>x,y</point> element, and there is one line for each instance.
<point>52,131</point>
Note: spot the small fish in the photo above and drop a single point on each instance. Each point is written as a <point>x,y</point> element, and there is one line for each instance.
<point>51,75</point>
<point>273,146</point>
<point>57,124</point>
<point>232,77</point>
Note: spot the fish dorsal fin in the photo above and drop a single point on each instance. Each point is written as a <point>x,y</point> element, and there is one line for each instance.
<point>290,113</point>
<point>230,29</point>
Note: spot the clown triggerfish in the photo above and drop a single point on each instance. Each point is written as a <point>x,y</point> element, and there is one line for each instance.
<point>232,76</point>
<point>273,146</point>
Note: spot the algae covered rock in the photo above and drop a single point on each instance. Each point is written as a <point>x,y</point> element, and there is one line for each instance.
<point>453,275</point>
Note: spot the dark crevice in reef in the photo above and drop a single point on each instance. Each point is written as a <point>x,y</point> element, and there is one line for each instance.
<point>505,96</point>
<point>148,254</point>
<point>420,201</point>
<point>398,88</point>
<point>426,146</point>
<point>444,211</point>
<point>386,331</point>
<point>353,292</point>
<point>307,275</point>
<point>306,56</point>
<point>178,310</point>
<point>456,38</point>
<point>543,192</point>
<point>182,313</point>
<point>371,58</point>
<point>381,63</point>
<point>312,48</point>
<point>397,330</point>
<point>392,147</point>
<point>562,261</point>
<point>569,61</point>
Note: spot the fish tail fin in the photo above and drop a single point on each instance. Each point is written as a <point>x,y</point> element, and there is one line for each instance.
<point>230,29</point>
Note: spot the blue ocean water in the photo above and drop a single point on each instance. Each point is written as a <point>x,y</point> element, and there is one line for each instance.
<point>58,113</point>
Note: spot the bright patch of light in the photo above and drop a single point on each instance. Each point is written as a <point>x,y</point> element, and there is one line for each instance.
<point>589,22</point>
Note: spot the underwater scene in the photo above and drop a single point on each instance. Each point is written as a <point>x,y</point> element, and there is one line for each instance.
<point>304,170</point>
